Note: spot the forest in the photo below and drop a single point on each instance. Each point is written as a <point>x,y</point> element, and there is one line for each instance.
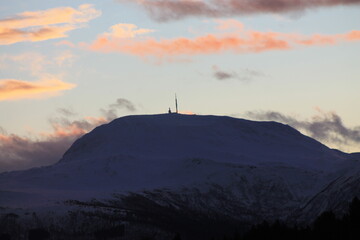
<point>112,220</point>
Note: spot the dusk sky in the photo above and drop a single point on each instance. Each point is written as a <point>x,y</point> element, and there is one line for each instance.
<point>68,66</point>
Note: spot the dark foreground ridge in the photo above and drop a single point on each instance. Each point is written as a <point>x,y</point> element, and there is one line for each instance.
<point>106,221</point>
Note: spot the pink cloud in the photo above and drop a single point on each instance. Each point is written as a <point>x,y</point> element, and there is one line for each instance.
<point>65,43</point>
<point>238,41</point>
<point>17,152</point>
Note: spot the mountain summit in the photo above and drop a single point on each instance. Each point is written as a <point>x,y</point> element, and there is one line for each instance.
<point>220,138</point>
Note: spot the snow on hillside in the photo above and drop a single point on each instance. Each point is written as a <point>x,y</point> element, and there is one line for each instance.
<point>176,136</point>
<point>336,195</point>
<point>264,165</point>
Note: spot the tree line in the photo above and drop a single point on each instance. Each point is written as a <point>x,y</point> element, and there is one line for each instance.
<point>111,224</point>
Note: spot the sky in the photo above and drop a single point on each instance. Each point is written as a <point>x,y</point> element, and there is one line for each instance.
<point>69,66</point>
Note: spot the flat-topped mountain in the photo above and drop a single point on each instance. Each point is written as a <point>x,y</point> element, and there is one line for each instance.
<point>265,169</point>
<point>220,138</point>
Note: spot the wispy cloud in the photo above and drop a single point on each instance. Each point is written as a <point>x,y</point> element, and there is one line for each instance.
<point>13,89</point>
<point>66,112</point>
<point>238,41</point>
<point>65,43</point>
<point>17,152</point>
<point>65,58</point>
<point>46,24</point>
<point>126,30</point>
<point>31,62</point>
<point>166,10</point>
<point>124,103</point>
<point>121,103</point>
<point>36,65</point>
<point>327,127</point>
<point>244,75</point>
<point>221,75</point>
<point>64,127</point>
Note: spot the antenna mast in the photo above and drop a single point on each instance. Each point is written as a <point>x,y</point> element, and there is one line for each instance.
<point>176,104</point>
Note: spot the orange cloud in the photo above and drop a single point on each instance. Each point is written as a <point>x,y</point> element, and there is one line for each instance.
<point>12,89</point>
<point>226,24</point>
<point>238,41</point>
<point>126,30</point>
<point>66,128</point>
<point>65,43</point>
<point>10,36</point>
<point>44,25</point>
<point>353,36</point>
<point>187,113</point>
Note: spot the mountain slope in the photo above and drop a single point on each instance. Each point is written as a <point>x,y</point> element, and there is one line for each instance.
<point>264,166</point>
<point>226,139</point>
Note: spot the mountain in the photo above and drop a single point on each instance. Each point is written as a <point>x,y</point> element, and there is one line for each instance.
<point>243,169</point>
<point>175,136</point>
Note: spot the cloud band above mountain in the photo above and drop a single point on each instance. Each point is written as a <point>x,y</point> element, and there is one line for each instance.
<point>166,10</point>
<point>231,38</point>
<point>327,126</point>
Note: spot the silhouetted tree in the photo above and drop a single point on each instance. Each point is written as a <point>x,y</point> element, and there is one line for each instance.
<point>177,237</point>
<point>327,226</point>
<point>10,226</point>
<point>353,219</point>
<point>109,233</point>
<point>38,234</point>
<point>5,236</point>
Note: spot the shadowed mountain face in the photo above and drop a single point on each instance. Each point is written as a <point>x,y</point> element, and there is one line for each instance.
<point>224,139</point>
<point>262,168</point>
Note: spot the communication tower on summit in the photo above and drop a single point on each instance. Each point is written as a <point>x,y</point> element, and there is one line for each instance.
<point>176,104</point>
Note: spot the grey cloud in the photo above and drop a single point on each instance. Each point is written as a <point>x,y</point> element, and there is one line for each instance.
<point>66,112</point>
<point>17,153</point>
<point>109,114</point>
<point>2,131</point>
<point>166,10</point>
<point>221,75</point>
<point>253,73</point>
<point>242,75</point>
<point>124,103</point>
<point>327,126</point>
<point>121,103</point>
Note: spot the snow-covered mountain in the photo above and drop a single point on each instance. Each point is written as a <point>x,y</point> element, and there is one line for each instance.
<point>245,169</point>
